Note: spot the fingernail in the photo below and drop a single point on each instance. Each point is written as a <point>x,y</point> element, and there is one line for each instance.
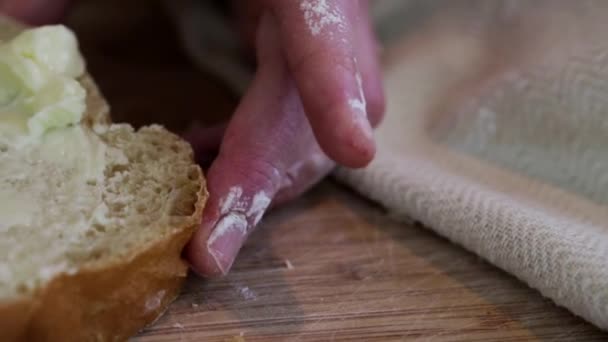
<point>226,240</point>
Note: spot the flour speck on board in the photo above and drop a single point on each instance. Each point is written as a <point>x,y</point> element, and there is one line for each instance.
<point>319,14</point>
<point>154,302</point>
<point>247,293</point>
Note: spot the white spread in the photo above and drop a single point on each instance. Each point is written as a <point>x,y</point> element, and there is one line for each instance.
<point>51,167</point>
<point>39,90</point>
<point>41,101</point>
<point>72,156</point>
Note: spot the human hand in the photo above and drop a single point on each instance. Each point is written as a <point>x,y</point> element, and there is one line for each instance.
<point>313,101</point>
<point>316,93</point>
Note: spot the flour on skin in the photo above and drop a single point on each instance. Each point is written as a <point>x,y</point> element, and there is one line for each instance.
<point>247,208</point>
<point>319,14</point>
<point>231,221</point>
<point>359,105</point>
<point>260,203</point>
<point>250,209</point>
<point>233,201</point>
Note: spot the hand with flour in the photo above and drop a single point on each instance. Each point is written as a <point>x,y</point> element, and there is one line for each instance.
<point>316,94</point>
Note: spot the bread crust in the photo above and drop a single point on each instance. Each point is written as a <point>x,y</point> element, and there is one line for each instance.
<point>104,303</point>
<point>111,301</point>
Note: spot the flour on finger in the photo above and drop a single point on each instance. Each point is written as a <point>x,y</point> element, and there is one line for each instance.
<point>251,208</point>
<point>319,15</point>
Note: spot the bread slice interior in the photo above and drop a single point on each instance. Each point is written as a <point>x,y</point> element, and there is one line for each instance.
<point>62,210</point>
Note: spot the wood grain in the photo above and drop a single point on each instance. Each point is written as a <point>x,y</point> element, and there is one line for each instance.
<point>358,275</point>
<point>328,267</point>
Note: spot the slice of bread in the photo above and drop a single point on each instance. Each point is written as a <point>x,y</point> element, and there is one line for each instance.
<point>91,229</point>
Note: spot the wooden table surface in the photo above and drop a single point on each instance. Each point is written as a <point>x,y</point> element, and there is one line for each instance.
<point>328,267</point>
<point>332,267</point>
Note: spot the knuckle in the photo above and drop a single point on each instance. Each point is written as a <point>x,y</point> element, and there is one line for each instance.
<point>258,172</point>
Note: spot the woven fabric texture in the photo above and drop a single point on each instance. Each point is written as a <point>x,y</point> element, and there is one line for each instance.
<point>498,141</point>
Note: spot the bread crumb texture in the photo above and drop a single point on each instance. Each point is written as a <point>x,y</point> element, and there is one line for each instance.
<point>69,217</point>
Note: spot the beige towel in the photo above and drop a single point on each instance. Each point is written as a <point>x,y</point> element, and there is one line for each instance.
<point>496,136</point>
<point>498,141</point>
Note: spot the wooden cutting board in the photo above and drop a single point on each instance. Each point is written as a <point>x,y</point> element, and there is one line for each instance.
<point>330,266</point>
<point>333,267</point>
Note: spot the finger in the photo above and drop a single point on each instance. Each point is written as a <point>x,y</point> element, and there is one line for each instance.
<point>35,12</point>
<point>265,138</point>
<point>367,49</point>
<point>302,176</point>
<point>320,39</point>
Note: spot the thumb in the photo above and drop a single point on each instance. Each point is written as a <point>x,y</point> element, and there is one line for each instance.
<point>260,144</point>
<point>34,12</point>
